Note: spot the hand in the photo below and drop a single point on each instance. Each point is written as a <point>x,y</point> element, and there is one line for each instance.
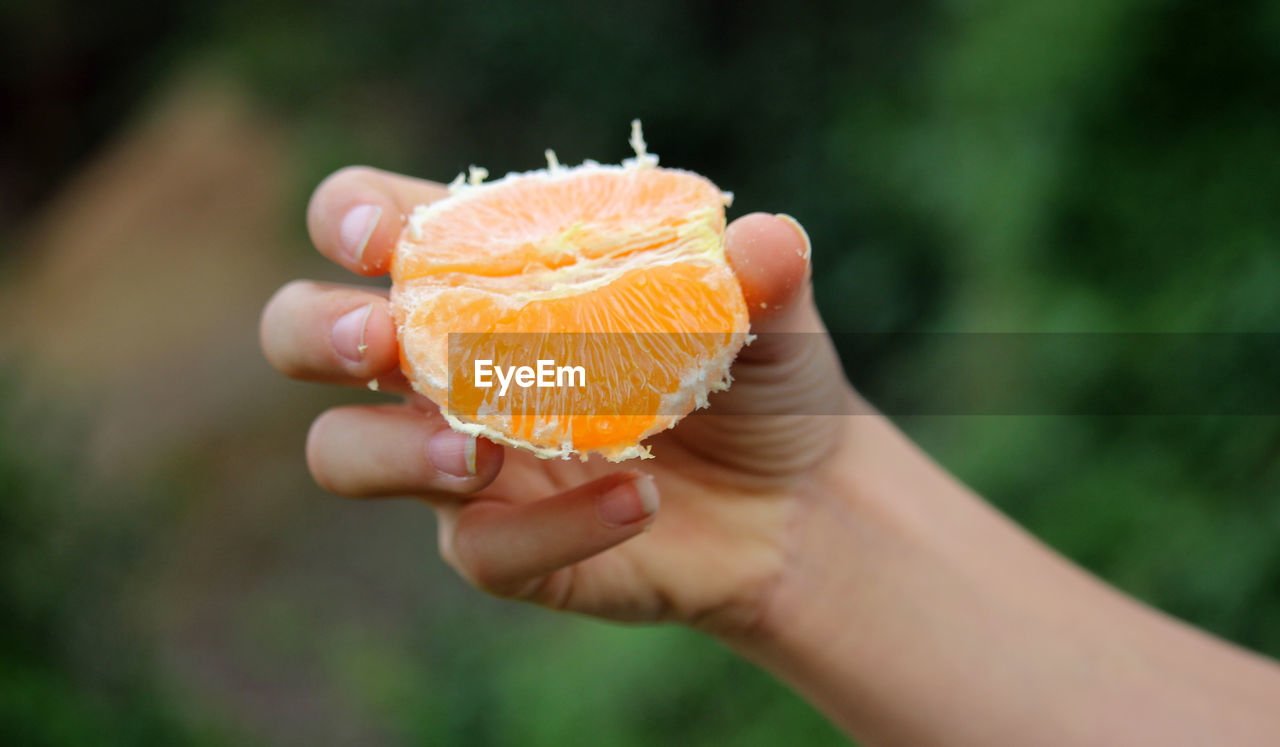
<point>829,550</point>
<point>586,537</point>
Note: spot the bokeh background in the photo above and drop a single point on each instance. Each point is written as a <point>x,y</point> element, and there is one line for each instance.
<point>170,575</point>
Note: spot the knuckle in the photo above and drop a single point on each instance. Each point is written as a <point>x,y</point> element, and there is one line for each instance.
<point>472,564</point>
<point>284,305</point>
<point>276,324</point>
<point>464,553</point>
<point>318,462</point>
<point>447,551</point>
<point>269,328</point>
<point>328,193</point>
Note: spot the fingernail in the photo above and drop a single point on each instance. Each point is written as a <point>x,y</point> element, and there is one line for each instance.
<point>453,453</point>
<point>629,502</point>
<point>348,333</point>
<point>357,226</point>
<point>800,230</point>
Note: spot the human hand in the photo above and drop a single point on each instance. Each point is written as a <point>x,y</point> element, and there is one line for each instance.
<point>829,550</point>
<point>586,537</point>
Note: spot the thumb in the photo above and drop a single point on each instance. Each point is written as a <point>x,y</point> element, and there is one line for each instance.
<point>770,258</point>
<point>764,425</point>
<point>509,549</point>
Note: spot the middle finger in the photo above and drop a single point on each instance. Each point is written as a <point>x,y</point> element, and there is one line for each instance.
<point>332,333</point>
<point>390,450</point>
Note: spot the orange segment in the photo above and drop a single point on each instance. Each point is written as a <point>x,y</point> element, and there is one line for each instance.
<point>618,271</point>
<point>546,221</point>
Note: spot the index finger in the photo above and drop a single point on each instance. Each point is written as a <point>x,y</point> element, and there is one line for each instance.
<point>356,215</point>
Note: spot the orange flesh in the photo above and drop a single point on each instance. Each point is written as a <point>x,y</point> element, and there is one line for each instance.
<point>506,233</point>
<point>634,253</point>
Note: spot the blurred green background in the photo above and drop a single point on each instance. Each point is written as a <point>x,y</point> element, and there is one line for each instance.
<point>169,574</point>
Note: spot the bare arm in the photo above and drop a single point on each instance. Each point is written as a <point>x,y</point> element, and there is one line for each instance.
<point>830,550</point>
<point>911,612</point>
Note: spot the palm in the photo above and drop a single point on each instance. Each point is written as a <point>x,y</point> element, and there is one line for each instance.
<point>728,479</point>
<point>680,569</point>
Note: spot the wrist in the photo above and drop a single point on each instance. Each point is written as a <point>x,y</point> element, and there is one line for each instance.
<point>866,544</point>
<point>870,492</point>
<point>842,516</point>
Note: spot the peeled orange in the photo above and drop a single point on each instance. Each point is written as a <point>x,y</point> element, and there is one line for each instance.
<point>569,310</point>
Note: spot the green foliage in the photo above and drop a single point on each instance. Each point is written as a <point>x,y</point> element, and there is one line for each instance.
<point>71,673</point>
<point>1120,185</point>
<point>491,677</point>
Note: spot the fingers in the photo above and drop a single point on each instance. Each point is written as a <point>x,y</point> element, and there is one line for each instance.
<point>507,549</point>
<point>332,333</point>
<point>391,450</point>
<point>355,216</point>
<point>770,257</point>
<point>789,373</point>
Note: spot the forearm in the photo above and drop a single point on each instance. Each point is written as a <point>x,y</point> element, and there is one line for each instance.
<point>913,613</point>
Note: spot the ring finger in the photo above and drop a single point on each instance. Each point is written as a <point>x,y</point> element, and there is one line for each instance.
<point>393,450</point>
<point>332,333</point>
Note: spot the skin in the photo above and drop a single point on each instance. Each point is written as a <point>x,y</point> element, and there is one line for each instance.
<point>828,549</point>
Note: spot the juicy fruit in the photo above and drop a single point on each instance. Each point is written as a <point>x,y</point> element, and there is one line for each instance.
<point>618,270</point>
